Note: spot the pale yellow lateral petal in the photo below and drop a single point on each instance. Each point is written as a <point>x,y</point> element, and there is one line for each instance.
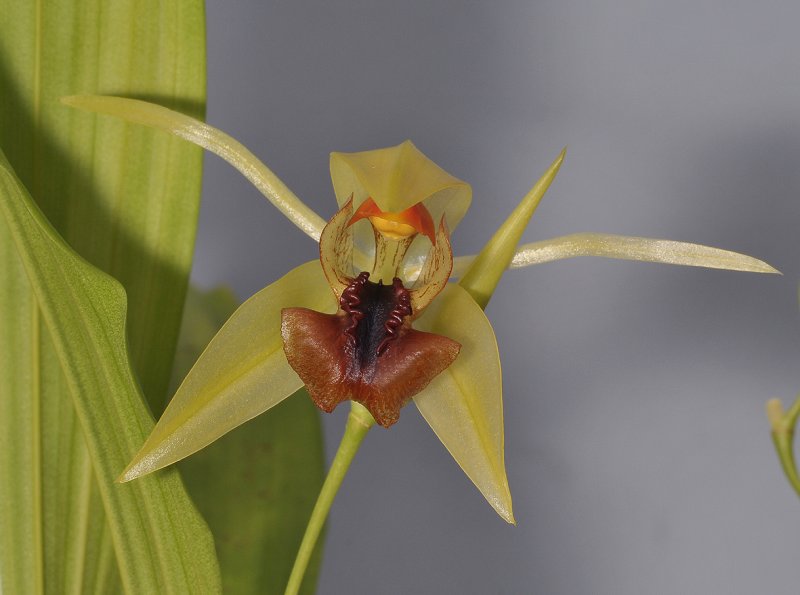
<point>397,178</point>
<point>464,404</point>
<point>211,139</point>
<point>484,272</point>
<point>242,373</point>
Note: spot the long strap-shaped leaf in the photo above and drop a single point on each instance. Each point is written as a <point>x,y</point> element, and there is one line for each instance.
<point>162,544</point>
<point>127,200</point>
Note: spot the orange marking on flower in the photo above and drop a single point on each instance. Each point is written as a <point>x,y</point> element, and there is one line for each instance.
<point>397,226</point>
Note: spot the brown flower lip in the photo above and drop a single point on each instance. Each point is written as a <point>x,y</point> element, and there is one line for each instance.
<point>367,351</point>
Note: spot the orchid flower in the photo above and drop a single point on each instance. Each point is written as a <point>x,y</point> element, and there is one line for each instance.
<point>374,320</point>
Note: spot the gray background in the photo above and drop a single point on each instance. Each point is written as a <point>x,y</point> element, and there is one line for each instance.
<point>637,449</point>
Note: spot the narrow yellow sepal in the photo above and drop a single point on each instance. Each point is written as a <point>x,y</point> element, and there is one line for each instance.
<point>242,373</point>
<point>464,404</point>
<point>635,248</point>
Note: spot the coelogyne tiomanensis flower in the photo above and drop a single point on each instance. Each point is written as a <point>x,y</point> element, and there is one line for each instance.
<point>386,256</point>
<point>343,327</point>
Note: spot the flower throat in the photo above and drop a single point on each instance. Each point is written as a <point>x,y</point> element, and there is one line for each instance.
<point>376,314</point>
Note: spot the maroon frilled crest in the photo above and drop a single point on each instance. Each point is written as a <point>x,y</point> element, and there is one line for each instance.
<point>368,351</point>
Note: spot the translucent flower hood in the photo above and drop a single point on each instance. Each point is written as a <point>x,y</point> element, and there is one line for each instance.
<point>398,178</point>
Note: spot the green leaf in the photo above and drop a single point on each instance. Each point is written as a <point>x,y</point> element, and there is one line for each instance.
<point>256,485</point>
<point>124,197</point>
<point>162,544</point>
<point>21,555</point>
<point>127,200</point>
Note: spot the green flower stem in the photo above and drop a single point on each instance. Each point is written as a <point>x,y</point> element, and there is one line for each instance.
<point>783,425</point>
<point>358,423</point>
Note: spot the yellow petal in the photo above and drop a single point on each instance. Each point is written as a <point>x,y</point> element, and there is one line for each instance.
<point>484,273</point>
<point>464,404</point>
<point>242,373</point>
<point>211,139</point>
<point>397,178</point>
<point>634,248</point>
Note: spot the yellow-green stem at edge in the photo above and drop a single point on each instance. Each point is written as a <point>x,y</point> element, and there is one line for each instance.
<point>358,423</point>
<point>783,425</point>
